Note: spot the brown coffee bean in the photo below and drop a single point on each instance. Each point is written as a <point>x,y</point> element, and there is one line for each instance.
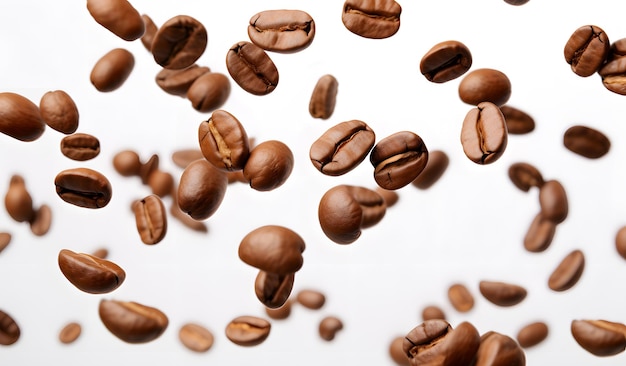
<point>460,298</point>
<point>502,293</point>
<point>600,337</point>
<point>101,253</point>
<point>185,219</point>
<point>248,331</point>
<point>89,273</point>
<point>20,118</point>
<point>324,97</point>
<point>83,187</point>
<point>269,165</point>
<point>151,219</point>
<point>161,183</point>
<point>41,221</point>
<point>485,85</point>
<point>209,92</point>
<point>517,121</point>
<point>586,141</point>
<point>497,349</point>
<point>435,342</point>
<point>398,159</point>
<point>148,168</point>
<point>9,330</point>
<point>280,313</point>
<point>132,322</point>
<point>437,164</point>
<point>282,30</point>
<point>251,68</point>
<point>5,240</point>
<point>390,197</point>
<point>446,61</point>
<point>586,50</point>
<point>118,16</point>
<point>17,201</point>
<point>70,333</point>
<point>568,272</point>
<point>177,82</point>
<point>201,189</point>
<point>80,146</point>
<point>396,353</point>
<point>273,249</point>
<point>179,42</point>
<point>372,19</point>
<point>553,201</point>
<point>620,242</point>
<point>524,176</point>
<point>112,70</point>
<point>329,326</point>
<point>540,234</point>
<point>196,337</point>
<point>59,111</point>
<point>150,30</point>
<point>127,163</point>
<point>224,141</point>
<point>311,299</point>
<point>273,289</point>
<point>184,157</point>
<point>342,147</point>
<point>613,75</point>
<point>484,135</point>
<point>433,312</point>
<point>532,334</point>
<point>345,210</point>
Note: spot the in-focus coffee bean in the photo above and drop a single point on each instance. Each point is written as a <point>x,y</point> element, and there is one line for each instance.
<point>568,272</point>
<point>280,313</point>
<point>460,297</point>
<point>613,75</point>
<point>18,201</point>
<point>532,334</point>
<point>329,326</point>
<point>499,349</point>
<point>553,201</point>
<point>118,16</point>
<point>80,146</point>
<point>620,241</point>
<point>177,82</point>
<point>251,68</point>
<point>272,248</point>
<point>396,353</point>
<point>372,19</point>
<point>5,240</point>
<point>502,293</point>
<point>9,330</point>
<point>151,219</point>
<point>182,158</point>
<point>484,135</point>
<point>209,92</point>
<point>196,337</point>
<point>201,189</point>
<point>83,187</point>
<point>517,121</point>
<point>132,322</point>
<point>70,333</point>
<point>150,30</point>
<point>282,30</point>
<point>248,331</point>
<point>273,289</point>
<point>446,61</point>
<point>600,337</point>
<point>324,97</point>
<point>41,221</point>
<point>59,111</point>
<point>436,340</point>
<point>433,312</point>
<point>540,234</point>
<point>437,164</point>
<point>311,299</point>
<point>179,42</point>
<point>224,141</point>
<point>183,218</point>
<point>111,70</point>
<point>89,273</point>
<point>586,50</point>
<point>127,163</point>
<point>398,159</point>
<point>269,165</point>
<point>586,141</point>
<point>20,118</point>
<point>485,85</point>
<point>524,176</point>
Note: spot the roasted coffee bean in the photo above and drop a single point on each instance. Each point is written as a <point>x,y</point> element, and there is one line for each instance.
<point>90,273</point>
<point>224,141</point>
<point>20,118</point>
<point>342,147</point>
<point>446,61</point>
<point>324,97</point>
<point>600,337</point>
<point>5,240</point>
<point>83,187</point>
<point>251,68</point>
<point>540,234</point>
<point>161,183</point>
<point>390,197</point>
<point>282,30</point>
<point>127,163</point>
<point>398,159</point>
<point>112,70</point>
<point>280,313</point>
<point>620,242</point>
<point>311,299</point>
<point>484,135</point>
<point>524,176</point>
<point>41,221</point>
<point>344,210</point>
<point>372,19</point>
<point>184,157</point>
<point>273,249</point>
<point>460,298</point>
<point>196,337</point>
<point>9,330</point>
<point>132,322</point>
<point>532,334</point>
<point>248,331</point>
<point>17,201</point>
<point>70,333</point>
<point>59,111</point>
<point>148,168</point>
<point>497,349</point>
<point>437,164</point>
<point>568,272</point>
<point>273,289</point>
<point>613,75</point>
<point>553,201</point>
<point>329,326</point>
<point>177,82</point>
<point>118,16</point>
<point>433,312</point>
<point>150,30</point>
<point>185,219</point>
<point>269,165</point>
<point>586,50</point>
<point>586,141</point>
<point>80,146</point>
<point>101,253</point>
<point>179,42</point>
<point>209,92</point>
<point>485,85</point>
<point>151,219</point>
<point>201,189</point>
<point>396,353</point>
<point>517,121</point>
<point>434,342</point>
<point>502,293</point>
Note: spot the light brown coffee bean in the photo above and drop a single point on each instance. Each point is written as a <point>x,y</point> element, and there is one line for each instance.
<point>586,50</point>
<point>70,333</point>
<point>502,293</point>
<point>161,183</point>
<point>177,82</point>
<point>5,240</point>
<point>127,163</point>
<point>272,248</point>
<point>83,187</point>
<point>324,97</point>
<point>446,61</point>
<point>517,121</point>
<point>111,70</point>
<point>183,218</point>
<point>132,322</point>
<point>437,164</point>
<point>390,197</point>
<point>17,201</point>
<point>280,313</point>
<point>329,326</point>
<point>273,289</point>
<point>540,234</point>
<point>251,68</point>
<point>460,298</point>
<point>150,219</point>
<point>524,176</point>
<point>269,165</point>
<point>600,337</point>
<point>620,242</point>
<point>613,74</point>
<point>372,19</point>
<point>196,337</point>
<point>485,85</point>
<point>396,353</point>
<point>248,331</point>
<point>434,342</point>
<point>484,135</point>
<point>201,189</point>
<point>118,16</point>
<point>209,92</point>
<point>224,141</point>
<point>553,201</point>
<point>148,168</point>
<point>179,42</point>
<point>282,30</point>
<point>89,273</point>
<point>532,334</point>
<point>311,299</point>
<point>150,30</point>
<point>80,146</point>
<point>41,221</point>
<point>182,158</point>
<point>20,118</point>
<point>433,312</point>
<point>398,159</point>
<point>9,330</point>
<point>59,111</point>
<point>497,349</point>
<point>568,272</point>
<point>586,141</point>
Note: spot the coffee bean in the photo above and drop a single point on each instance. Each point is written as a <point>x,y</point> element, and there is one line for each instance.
<point>498,349</point>
<point>18,201</point>
<point>586,141</point>
<point>485,85</point>
<point>201,189</point>
<point>5,240</point>
<point>273,249</point>
<point>182,158</point>
<point>179,42</point>
<point>329,326</point>
<point>9,330</point>
<point>540,234</point>
<point>436,165</point>
<point>90,273</point>
<point>148,168</point>
<point>532,334</point>
<point>502,293</point>
<point>83,187</point>
<point>132,322</point>
<point>41,221</point>
<point>586,50</point>
<point>20,118</point>
<point>118,16</point>
<point>613,75</point>
<point>460,298</point>
<point>280,313</point>
<point>553,201</point>
<point>127,163</point>
<point>224,141</point>
<point>436,340</point>
<point>150,31</point>
<point>209,92</point>
<point>248,331</point>
<point>101,253</point>
<point>484,135</point>
<point>517,121</point>
<point>269,165</point>
<point>398,159</point>
<point>196,337</point>
<point>311,299</point>
<point>111,70</point>
<point>282,30</point>
<point>524,176</point>
<point>59,111</point>
<point>273,289</point>
<point>620,242</point>
<point>70,333</point>
<point>446,61</point>
<point>324,97</point>
<point>151,219</point>
<point>396,353</point>
<point>185,219</point>
<point>342,147</point>
<point>177,82</point>
<point>433,312</point>
<point>600,337</point>
<point>568,272</point>
<point>251,68</point>
<point>390,197</point>
<point>80,146</point>
<point>372,19</point>
<point>161,183</point>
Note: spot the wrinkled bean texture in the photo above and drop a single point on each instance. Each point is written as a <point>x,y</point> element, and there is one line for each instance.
<point>251,68</point>
<point>224,142</point>
<point>282,30</point>
<point>248,331</point>
<point>398,159</point>
<point>83,187</point>
<point>375,19</point>
<point>484,135</point>
<point>80,146</point>
<point>586,50</point>
<point>179,42</point>
<point>446,61</point>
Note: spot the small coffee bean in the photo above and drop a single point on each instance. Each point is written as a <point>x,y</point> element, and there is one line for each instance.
<point>437,164</point>
<point>390,197</point>
<point>485,85</point>
<point>89,273</point>
<point>177,82</point>
<point>148,168</point>
<point>161,183</point>
<point>9,330</point>
<point>201,189</point>
<point>433,312</point>
<point>517,121</point>
<point>20,118</point>
<point>532,334</point>
<point>118,16</point>
<point>282,30</point>
<point>80,146</point>
<point>568,272</point>
<point>5,240</point>
<point>101,253</point>
<point>502,293</point>
<point>196,337</point>
<point>524,176</point>
<point>248,331</point>
<point>620,242</point>
<point>600,337</point>
<point>280,313</point>
<point>436,340</point>
<point>179,42</point>
<point>586,50</point>
<point>553,201</point>
<point>111,70</point>
<point>497,349</point>
<point>132,322</point>
<point>127,163</point>
<point>586,141</point>
<point>613,75</point>
<point>398,159</point>
<point>460,298</point>
<point>396,353</point>
<point>83,187</point>
<point>209,91</point>
<point>273,249</point>
<point>224,141</point>
<point>151,219</point>
<point>311,299</point>
<point>18,201</point>
<point>59,111</point>
<point>446,61</point>
<point>540,234</point>
<point>41,221</point>
<point>251,68</point>
<point>70,333</point>
<point>324,97</point>
<point>329,326</point>
<point>150,30</point>
<point>372,19</point>
<point>484,135</point>
<point>269,165</point>
<point>184,157</point>
<point>273,289</point>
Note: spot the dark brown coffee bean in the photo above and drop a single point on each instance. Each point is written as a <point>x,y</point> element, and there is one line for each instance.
<point>502,293</point>
<point>9,330</point>
<point>17,201</point>
<point>433,312</point>
<point>540,234</point>
<point>112,70</point>
<point>553,201</point>
<point>150,30</point>
<point>20,118</point>
<point>437,164</point>
<point>485,85</point>
<point>613,75</point>
<point>80,146</point>
<point>329,326</point>
<point>586,141</point>
<point>161,183</point>
<point>70,333</point>
<point>586,50</point>
<point>89,273</point>
<point>209,92</point>
<point>524,176</point>
<point>269,165</point>
<point>311,299</point>
<point>224,141</point>
<point>342,147</point>
<point>184,157</point>
<point>148,168</point>
<point>83,187</point>
<point>179,42</point>
<point>324,97</point>
<point>568,272</point>
<point>446,61</point>
<point>248,331</point>
<point>396,353</point>
<point>600,337</point>
<point>177,82</point>
<point>398,159</point>
<point>273,249</point>
<point>132,322</point>
<point>345,210</point>
<point>532,334</point>
<point>517,121</point>
<point>620,242</point>
<point>5,240</point>
<point>201,189</point>
<point>390,197</point>
<point>127,163</point>
<point>251,68</point>
<point>435,342</point>
<point>499,350</point>
<point>282,30</point>
<point>273,289</point>
<point>196,337</point>
<point>372,19</point>
<point>484,135</point>
<point>58,110</point>
<point>151,219</point>
<point>41,221</point>
<point>118,16</point>
<point>460,298</point>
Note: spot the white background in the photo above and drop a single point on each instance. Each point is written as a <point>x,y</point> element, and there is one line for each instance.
<point>468,227</point>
